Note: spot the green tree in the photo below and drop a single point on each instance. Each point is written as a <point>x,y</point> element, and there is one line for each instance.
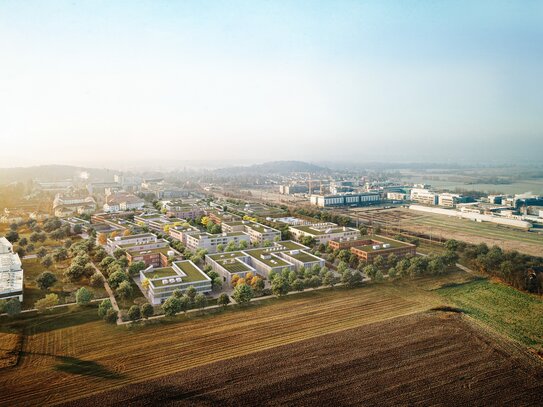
<point>83,296</point>
<point>49,301</point>
<point>392,273</point>
<point>200,301</point>
<point>370,271</point>
<point>136,267</point>
<point>147,310</point>
<point>23,241</point>
<point>330,279</point>
<point>134,313</point>
<point>12,236</point>
<point>97,280</point>
<point>124,290</point>
<point>116,278</point>
<point>191,293</point>
<point>104,306</point>
<point>298,285</point>
<point>12,307</point>
<point>118,253</point>
<point>280,286</point>
<point>47,261</point>
<point>223,300</point>
<point>46,280</point>
<point>242,293</point>
<point>111,316</point>
<point>171,306</point>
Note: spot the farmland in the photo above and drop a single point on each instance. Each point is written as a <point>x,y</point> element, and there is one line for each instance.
<point>87,358</point>
<point>84,357</point>
<point>385,363</point>
<point>446,227</point>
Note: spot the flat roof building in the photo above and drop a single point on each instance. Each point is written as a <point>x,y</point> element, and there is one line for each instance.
<point>350,199</point>
<point>158,284</point>
<point>324,232</point>
<point>367,248</point>
<point>262,261</point>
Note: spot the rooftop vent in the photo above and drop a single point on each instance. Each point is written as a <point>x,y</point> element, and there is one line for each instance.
<point>386,245</point>
<point>164,281</point>
<point>376,246</point>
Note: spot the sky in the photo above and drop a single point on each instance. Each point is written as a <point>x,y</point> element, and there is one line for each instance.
<point>122,83</point>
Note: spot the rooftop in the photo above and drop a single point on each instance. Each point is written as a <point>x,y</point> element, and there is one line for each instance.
<point>269,259</point>
<point>302,256</point>
<point>380,240</point>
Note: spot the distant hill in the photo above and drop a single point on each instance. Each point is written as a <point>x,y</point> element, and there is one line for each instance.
<point>52,173</point>
<point>274,167</point>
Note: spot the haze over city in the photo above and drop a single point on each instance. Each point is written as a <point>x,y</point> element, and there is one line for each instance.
<point>248,81</point>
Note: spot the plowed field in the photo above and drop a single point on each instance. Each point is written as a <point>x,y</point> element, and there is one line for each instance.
<point>423,359</point>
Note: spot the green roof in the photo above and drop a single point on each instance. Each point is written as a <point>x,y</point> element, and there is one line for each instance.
<point>164,272</point>
<point>226,255</point>
<point>291,245</point>
<point>163,250</point>
<point>235,267</point>
<point>274,261</point>
<point>303,257</point>
<point>379,240</point>
<point>192,272</point>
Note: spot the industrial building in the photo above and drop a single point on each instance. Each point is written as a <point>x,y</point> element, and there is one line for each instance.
<point>353,199</point>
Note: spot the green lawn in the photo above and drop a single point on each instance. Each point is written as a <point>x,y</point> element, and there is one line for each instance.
<point>511,312</point>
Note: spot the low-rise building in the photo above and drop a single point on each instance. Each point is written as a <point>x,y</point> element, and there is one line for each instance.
<point>182,210</point>
<point>151,256</point>
<point>208,241</point>
<point>158,284</point>
<point>181,232</point>
<point>11,272</point>
<point>258,233</point>
<point>122,201</point>
<point>262,261</point>
<point>324,232</point>
<point>65,205</point>
<point>130,240</point>
<point>424,196</point>
<point>368,248</point>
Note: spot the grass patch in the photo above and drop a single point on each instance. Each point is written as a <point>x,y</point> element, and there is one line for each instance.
<point>513,313</point>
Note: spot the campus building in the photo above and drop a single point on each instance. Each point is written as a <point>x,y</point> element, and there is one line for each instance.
<point>122,201</point>
<point>182,210</point>
<point>367,248</point>
<point>262,261</point>
<point>324,232</point>
<point>159,283</point>
<point>65,205</point>
<point>11,272</point>
<point>151,256</point>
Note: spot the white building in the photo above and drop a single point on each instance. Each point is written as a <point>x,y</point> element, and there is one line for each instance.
<point>258,233</point>
<point>158,284</point>
<point>122,201</point>
<point>208,241</point>
<point>324,232</point>
<point>68,206</point>
<point>424,196</point>
<point>262,261</point>
<point>11,272</point>
<point>348,199</point>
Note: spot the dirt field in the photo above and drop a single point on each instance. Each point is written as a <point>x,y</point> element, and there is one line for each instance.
<point>423,359</point>
<point>73,362</point>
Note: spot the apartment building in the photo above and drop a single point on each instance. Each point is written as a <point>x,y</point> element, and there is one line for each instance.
<point>181,232</point>
<point>11,272</point>
<point>122,201</point>
<point>159,283</point>
<point>150,255</point>
<point>257,232</point>
<point>179,209</point>
<point>66,205</point>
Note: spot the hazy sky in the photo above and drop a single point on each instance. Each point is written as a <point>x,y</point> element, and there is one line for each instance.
<point>102,82</point>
